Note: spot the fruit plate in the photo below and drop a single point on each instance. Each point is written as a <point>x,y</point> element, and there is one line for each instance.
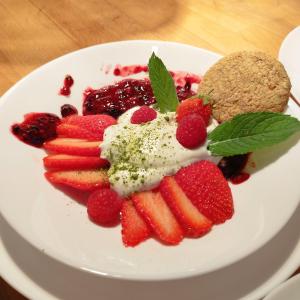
<point>57,225</point>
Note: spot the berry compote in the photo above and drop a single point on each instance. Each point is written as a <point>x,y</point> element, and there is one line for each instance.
<point>66,89</point>
<point>36,128</point>
<point>68,110</point>
<point>232,168</point>
<point>115,99</point>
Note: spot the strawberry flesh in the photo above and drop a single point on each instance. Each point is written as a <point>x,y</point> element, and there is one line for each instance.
<point>73,162</point>
<point>205,185</point>
<point>74,131</point>
<point>73,147</point>
<point>134,229</point>
<point>85,180</point>
<point>159,217</point>
<point>96,124</point>
<point>191,220</point>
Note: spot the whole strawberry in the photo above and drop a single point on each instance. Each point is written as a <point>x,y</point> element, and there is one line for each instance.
<point>194,106</point>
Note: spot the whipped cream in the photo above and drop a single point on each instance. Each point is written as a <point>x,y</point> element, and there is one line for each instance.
<point>142,154</point>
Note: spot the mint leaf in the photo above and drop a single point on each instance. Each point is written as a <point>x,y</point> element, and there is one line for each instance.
<point>251,131</point>
<point>162,85</point>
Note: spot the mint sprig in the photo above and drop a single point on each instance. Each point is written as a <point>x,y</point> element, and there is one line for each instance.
<point>162,85</point>
<point>251,131</point>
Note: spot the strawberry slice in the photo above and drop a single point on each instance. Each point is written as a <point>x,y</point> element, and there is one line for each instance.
<point>191,220</point>
<point>74,131</point>
<point>134,228</point>
<point>73,147</point>
<point>85,180</point>
<point>158,215</point>
<point>93,123</point>
<point>73,162</point>
<point>205,185</point>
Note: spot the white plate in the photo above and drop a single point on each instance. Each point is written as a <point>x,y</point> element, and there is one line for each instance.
<point>39,277</point>
<point>289,56</point>
<point>289,290</point>
<point>52,222</point>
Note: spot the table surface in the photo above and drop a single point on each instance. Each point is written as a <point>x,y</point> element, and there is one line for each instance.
<point>36,31</point>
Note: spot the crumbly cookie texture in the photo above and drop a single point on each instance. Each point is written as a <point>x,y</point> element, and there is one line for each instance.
<point>246,81</point>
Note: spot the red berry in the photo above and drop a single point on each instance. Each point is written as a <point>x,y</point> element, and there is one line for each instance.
<point>95,124</point>
<point>104,206</point>
<point>191,131</point>
<point>143,115</point>
<point>204,184</point>
<point>190,106</point>
<point>68,110</point>
<point>206,113</point>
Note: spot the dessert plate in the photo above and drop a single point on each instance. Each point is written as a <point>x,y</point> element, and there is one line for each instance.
<point>57,225</point>
<point>289,56</point>
<point>243,280</point>
<point>288,290</point>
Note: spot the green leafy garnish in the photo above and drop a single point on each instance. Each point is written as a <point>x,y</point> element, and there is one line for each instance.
<point>251,131</point>
<point>162,85</point>
<point>204,97</point>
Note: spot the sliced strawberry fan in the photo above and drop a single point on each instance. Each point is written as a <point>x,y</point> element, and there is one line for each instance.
<point>184,205</point>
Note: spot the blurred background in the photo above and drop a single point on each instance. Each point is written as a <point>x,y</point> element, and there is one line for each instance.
<point>36,31</point>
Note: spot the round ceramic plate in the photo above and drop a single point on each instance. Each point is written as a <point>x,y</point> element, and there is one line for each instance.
<point>57,225</point>
<point>289,290</point>
<point>244,280</point>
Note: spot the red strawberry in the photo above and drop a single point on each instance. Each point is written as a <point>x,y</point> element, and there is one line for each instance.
<point>134,228</point>
<point>73,147</point>
<point>73,162</point>
<point>207,188</point>
<point>104,206</point>
<point>157,214</point>
<point>73,131</point>
<point>143,115</point>
<point>93,123</point>
<point>86,180</point>
<point>192,221</point>
<point>190,106</point>
<point>191,131</point>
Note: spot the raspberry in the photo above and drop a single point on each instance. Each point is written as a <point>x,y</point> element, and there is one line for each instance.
<point>190,106</point>
<point>143,115</point>
<point>104,206</point>
<point>191,131</point>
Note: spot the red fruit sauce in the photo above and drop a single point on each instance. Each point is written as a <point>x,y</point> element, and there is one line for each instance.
<point>117,98</point>
<point>68,110</point>
<point>36,128</point>
<point>180,78</point>
<point>243,176</point>
<point>66,89</point>
<point>232,168</point>
<point>124,71</point>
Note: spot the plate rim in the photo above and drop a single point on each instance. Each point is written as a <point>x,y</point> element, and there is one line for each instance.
<point>281,274</point>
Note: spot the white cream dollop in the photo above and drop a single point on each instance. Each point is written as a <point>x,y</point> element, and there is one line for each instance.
<point>142,154</point>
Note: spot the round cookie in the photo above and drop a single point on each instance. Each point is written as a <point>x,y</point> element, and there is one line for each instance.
<point>246,81</point>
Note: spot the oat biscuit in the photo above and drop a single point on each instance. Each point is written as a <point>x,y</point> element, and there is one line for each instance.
<point>246,81</point>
